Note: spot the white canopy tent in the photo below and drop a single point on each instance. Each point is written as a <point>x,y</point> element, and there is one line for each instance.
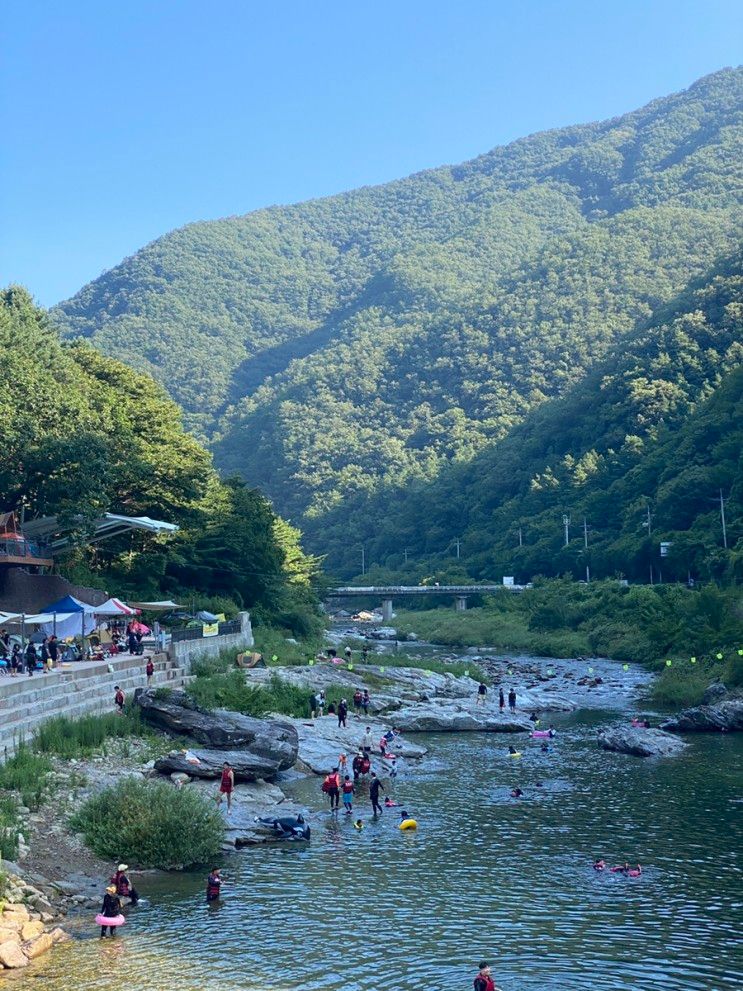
<point>115,607</point>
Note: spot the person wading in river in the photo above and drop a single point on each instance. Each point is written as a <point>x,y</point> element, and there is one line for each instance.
<point>375,786</point>
<point>512,700</point>
<point>501,699</point>
<point>213,885</point>
<point>483,981</point>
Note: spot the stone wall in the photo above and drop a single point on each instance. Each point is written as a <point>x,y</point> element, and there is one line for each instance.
<point>182,652</point>
<point>20,591</point>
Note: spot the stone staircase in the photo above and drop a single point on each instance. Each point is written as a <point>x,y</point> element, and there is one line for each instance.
<point>76,690</point>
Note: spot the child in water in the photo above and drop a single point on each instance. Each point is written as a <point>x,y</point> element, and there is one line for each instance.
<point>358,824</point>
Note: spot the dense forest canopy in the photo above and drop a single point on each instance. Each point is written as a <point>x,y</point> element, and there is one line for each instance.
<point>86,434</point>
<point>657,428</point>
<point>342,352</point>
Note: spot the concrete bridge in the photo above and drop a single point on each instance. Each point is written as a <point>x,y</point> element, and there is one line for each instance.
<point>388,592</point>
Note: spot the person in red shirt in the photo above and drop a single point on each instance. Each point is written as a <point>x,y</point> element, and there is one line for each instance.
<point>150,669</point>
<point>226,785</point>
<point>119,699</point>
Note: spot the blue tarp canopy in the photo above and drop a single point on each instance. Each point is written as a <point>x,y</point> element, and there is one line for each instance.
<point>69,604</point>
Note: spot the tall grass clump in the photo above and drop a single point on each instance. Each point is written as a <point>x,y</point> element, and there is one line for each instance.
<point>150,824</point>
<point>231,691</point>
<point>9,826</point>
<point>87,735</point>
<point>26,774</point>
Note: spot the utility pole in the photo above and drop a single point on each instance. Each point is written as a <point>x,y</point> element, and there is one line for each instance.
<point>521,538</point>
<point>585,544</point>
<point>649,522</point>
<point>566,524</point>
<point>363,561</point>
<point>722,518</point>
<point>458,544</point>
<point>405,553</point>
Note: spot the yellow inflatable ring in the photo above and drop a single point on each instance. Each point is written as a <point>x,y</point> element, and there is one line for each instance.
<point>408,824</point>
<point>517,754</point>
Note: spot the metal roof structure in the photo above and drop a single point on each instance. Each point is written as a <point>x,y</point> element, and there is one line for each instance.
<point>57,534</point>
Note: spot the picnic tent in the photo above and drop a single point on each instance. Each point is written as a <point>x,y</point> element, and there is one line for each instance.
<point>115,607</point>
<point>69,617</point>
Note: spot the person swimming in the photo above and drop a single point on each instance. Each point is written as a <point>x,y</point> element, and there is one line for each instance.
<point>544,748</point>
<point>512,750</point>
<point>516,793</point>
<point>358,824</point>
<point>390,803</point>
<point>599,865</point>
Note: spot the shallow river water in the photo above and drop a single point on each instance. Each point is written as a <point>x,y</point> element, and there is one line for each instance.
<point>484,876</point>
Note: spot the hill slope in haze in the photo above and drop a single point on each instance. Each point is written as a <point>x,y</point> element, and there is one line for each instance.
<point>362,342</point>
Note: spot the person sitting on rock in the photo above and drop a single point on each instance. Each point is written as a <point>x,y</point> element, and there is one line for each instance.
<point>356,765</point>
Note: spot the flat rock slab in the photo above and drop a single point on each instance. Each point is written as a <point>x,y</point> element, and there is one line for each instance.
<point>249,802</point>
<point>271,739</point>
<point>725,716</point>
<point>321,741</point>
<point>639,742</point>
<point>450,716</point>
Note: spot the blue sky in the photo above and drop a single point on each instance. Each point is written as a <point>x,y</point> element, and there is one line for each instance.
<point>125,119</point>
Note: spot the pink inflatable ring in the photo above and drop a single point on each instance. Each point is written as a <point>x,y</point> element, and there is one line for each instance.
<point>112,920</point>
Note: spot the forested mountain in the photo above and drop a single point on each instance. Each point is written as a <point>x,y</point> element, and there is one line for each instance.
<point>82,434</point>
<point>360,344</point>
<point>658,427</point>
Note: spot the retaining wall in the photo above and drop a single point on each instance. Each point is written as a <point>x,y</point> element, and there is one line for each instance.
<point>79,690</point>
<point>182,652</point>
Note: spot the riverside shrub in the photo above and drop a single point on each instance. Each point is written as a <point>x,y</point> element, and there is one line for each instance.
<point>150,824</point>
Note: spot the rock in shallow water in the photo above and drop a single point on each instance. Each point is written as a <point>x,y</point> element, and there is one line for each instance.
<point>639,742</point>
<point>721,717</point>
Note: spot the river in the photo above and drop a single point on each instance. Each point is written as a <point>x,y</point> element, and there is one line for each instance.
<point>485,875</point>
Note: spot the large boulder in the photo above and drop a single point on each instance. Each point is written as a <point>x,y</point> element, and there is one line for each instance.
<point>639,742</point>
<point>725,716</point>
<point>272,740</point>
<point>202,763</point>
<point>715,692</point>
<point>12,956</point>
<point>452,716</point>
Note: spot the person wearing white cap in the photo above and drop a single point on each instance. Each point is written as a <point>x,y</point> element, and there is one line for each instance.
<point>124,887</point>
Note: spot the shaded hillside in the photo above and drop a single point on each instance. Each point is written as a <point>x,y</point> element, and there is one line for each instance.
<point>361,342</point>
<point>658,426</point>
<point>83,435</point>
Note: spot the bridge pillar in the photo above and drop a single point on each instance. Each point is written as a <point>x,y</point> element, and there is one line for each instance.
<point>387,610</point>
<point>460,603</point>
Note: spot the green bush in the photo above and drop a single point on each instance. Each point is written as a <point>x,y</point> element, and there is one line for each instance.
<point>231,691</point>
<point>84,736</point>
<point>150,824</point>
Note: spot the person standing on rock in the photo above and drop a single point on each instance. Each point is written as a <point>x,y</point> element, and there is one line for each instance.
<point>226,785</point>
<point>342,713</point>
<point>482,691</point>
<point>357,701</point>
<point>501,700</point>
<point>320,702</point>
<point>375,786</point>
<point>367,741</point>
<point>348,653</point>
<point>512,700</point>
<point>214,885</point>
<point>365,701</point>
<point>149,670</point>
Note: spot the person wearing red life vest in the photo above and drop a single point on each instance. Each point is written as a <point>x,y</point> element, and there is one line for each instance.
<point>332,788</point>
<point>483,981</point>
<point>226,785</point>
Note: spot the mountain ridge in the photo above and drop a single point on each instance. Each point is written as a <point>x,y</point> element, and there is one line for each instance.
<point>369,338</point>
